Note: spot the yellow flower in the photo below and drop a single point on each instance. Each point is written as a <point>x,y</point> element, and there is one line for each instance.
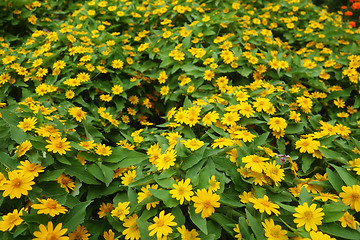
<point>88,145</point>
<point>166,160</point>
<point>105,208</point>
<point>65,182</point>
<point>47,131</point>
<point>117,64</point>
<point>146,193</point>
<point>132,229</point>
<point>274,232</point>
<point>320,236</point>
<point>254,162</point>
<point>348,220</point>
<point>245,197</point>
<point>50,232</point>
<point>110,235</point>
<point>304,103</point>
<point>10,220</point>
<point>205,202</point>
<point>308,216</point>
<point>27,124</point>
<point>58,145</point>
<point>245,109</point>
<point>186,234</point>
<point>307,145</point>
<point>274,171</point>
<point>277,124</point>
<point>264,205</point>
<point>164,90</point>
<point>121,210</point>
<point>128,177</point>
<point>193,144</point>
<point>162,225</point>
<point>23,148</point>
<point>230,118</point>
<point>49,206</point>
<point>210,118</point>
<point>19,183</point>
<point>351,196</point>
<point>117,89</point>
<point>80,233</point>
<point>77,113</point>
<point>182,190</point>
<point>69,94</point>
<point>236,229</point>
<point>30,168</point>
<point>102,149</point>
<point>214,185</point>
<point>59,64</point>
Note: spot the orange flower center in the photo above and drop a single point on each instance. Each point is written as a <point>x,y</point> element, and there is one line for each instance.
<point>51,204</point>
<point>207,204</point>
<point>305,144</point>
<point>355,196</point>
<point>308,215</point>
<point>59,145</point>
<point>16,182</point>
<point>160,223</point>
<point>51,236</point>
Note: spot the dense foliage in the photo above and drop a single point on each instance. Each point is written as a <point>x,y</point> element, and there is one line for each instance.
<point>178,119</point>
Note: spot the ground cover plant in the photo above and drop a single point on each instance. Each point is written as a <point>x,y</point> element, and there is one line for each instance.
<point>178,120</point>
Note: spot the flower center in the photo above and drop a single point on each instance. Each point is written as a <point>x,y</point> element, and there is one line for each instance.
<point>160,223</point>
<point>207,204</point>
<point>181,190</point>
<point>51,204</point>
<point>16,182</point>
<point>305,144</point>
<point>51,236</point>
<point>308,215</point>
<point>59,145</point>
<point>355,196</point>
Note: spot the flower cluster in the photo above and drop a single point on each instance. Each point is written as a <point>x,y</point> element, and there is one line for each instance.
<point>179,120</point>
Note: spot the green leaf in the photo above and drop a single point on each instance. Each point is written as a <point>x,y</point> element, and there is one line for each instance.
<point>165,196</point>
<point>261,140</point>
<point>335,180</point>
<point>346,176</point>
<point>95,170</point>
<point>164,182</point>
<point>33,217</point>
<point>80,173</point>
<point>224,221</point>
<point>8,162</point>
<point>143,228</point>
<point>179,216</point>
<point>244,228</point>
<point>286,207</point>
<point>307,160</point>
<point>333,155</point>
<point>244,71</point>
<point>333,211</point>
<point>314,121</point>
<point>124,158</point>
<point>9,117</point>
<point>338,231</point>
<point>193,158</point>
<point>305,196</point>
<point>75,216</point>
<point>256,226</point>
<point>198,220</point>
<point>49,175</point>
<point>17,134</point>
<point>295,128</point>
